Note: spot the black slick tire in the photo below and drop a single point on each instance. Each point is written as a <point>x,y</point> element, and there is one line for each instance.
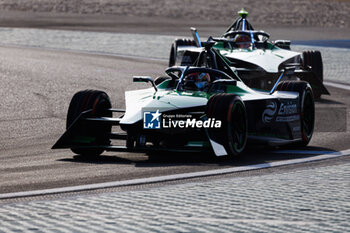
<point>98,102</point>
<point>231,111</point>
<point>173,49</point>
<point>306,107</point>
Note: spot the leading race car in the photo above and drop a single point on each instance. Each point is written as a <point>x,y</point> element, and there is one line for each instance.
<point>257,60</point>
<point>202,108</point>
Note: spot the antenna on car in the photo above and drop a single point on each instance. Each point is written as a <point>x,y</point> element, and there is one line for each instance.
<point>240,21</point>
<point>196,37</point>
<point>243,13</point>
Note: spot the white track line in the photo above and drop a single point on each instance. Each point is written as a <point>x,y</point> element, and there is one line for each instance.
<point>337,85</point>
<point>174,177</point>
<point>301,152</point>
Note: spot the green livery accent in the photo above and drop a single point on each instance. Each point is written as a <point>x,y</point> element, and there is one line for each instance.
<point>243,13</point>
<point>205,144</point>
<point>199,94</point>
<point>237,90</point>
<point>164,84</point>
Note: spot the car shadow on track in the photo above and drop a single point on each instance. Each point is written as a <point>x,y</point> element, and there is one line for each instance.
<point>249,157</point>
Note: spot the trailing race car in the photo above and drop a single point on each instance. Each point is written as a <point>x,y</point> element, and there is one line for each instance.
<point>202,108</point>
<point>257,60</point>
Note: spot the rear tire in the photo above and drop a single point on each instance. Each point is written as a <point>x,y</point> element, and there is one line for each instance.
<point>306,105</point>
<point>99,102</point>
<point>173,49</point>
<point>230,109</point>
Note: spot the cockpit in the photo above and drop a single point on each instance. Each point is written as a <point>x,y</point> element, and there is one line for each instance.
<point>196,78</point>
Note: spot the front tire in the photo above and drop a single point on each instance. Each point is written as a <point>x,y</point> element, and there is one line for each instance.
<point>233,134</point>
<point>99,103</point>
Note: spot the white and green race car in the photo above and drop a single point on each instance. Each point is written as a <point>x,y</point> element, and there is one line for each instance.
<point>202,108</point>
<point>257,60</point>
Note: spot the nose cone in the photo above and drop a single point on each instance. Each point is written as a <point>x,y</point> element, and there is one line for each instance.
<point>185,99</point>
<point>148,100</point>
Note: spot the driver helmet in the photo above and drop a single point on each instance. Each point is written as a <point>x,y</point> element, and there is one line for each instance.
<point>242,41</point>
<point>202,81</point>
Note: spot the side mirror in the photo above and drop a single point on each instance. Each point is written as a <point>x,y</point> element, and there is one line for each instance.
<point>283,44</point>
<point>145,79</point>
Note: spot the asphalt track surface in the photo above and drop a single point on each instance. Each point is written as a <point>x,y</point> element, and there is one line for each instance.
<point>37,85</point>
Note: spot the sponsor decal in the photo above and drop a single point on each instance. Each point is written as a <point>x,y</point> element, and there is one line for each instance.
<point>288,109</point>
<point>192,123</point>
<point>269,112</point>
<point>287,118</point>
<point>151,120</point>
<point>286,112</point>
<point>157,120</point>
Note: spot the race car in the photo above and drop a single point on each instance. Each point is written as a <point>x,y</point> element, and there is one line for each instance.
<point>202,108</point>
<point>257,60</point>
